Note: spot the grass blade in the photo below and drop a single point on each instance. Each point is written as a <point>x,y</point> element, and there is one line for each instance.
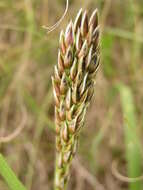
<point>132,141</point>
<point>9,176</point>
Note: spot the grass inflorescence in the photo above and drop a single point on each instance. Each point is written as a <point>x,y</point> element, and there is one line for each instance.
<point>73,87</point>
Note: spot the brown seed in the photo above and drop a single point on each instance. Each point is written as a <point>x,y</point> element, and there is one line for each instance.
<point>62,42</point>
<point>57,116</point>
<point>84,24</point>
<point>69,38</point>
<point>78,79</point>
<point>56,87</point>
<point>81,64</point>
<point>83,50</point>
<point>63,85</point>
<point>96,32</point>
<point>73,70</point>
<point>90,93</point>
<point>74,94</point>
<point>70,113</point>
<point>79,41</point>
<point>94,19</point>
<point>68,99</point>
<point>77,22</point>
<point>57,75</point>
<point>68,58</point>
<point>62,112</point>
<point>94,63</point>
<point>57,101</point>
<point>90,34</point>
<point>60,63</point>
<point>89,57</point>
<point>81,115</point>
<point>84,96</point>
<point>65,134</point>
<point>72,126</point>
<point>83,84</point>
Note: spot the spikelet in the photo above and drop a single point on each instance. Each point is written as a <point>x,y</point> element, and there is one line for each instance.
<point>73,87</point>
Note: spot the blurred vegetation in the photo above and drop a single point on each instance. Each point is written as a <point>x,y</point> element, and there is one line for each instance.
<point>115,117</point>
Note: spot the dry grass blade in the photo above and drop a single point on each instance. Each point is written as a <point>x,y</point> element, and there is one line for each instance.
<point>18,130</point>
<point>51,28</point>
<point>120,177</point>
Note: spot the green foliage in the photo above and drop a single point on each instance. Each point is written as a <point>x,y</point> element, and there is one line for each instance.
<point>9,176</point>
<point>133,146</point>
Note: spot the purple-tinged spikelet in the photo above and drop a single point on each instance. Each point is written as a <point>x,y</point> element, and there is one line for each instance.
<point>73,87</point>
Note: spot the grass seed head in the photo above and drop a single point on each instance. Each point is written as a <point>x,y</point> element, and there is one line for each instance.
<point>73,86</point>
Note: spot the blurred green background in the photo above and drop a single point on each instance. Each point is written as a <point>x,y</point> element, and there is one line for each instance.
<point>113,130</point>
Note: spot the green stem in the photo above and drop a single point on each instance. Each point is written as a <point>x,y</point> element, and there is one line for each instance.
<point>62,167</point>
<point>60,174</point>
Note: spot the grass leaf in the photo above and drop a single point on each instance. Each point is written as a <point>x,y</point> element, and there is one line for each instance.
<point>9,176</point>
<point>132,142</point>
